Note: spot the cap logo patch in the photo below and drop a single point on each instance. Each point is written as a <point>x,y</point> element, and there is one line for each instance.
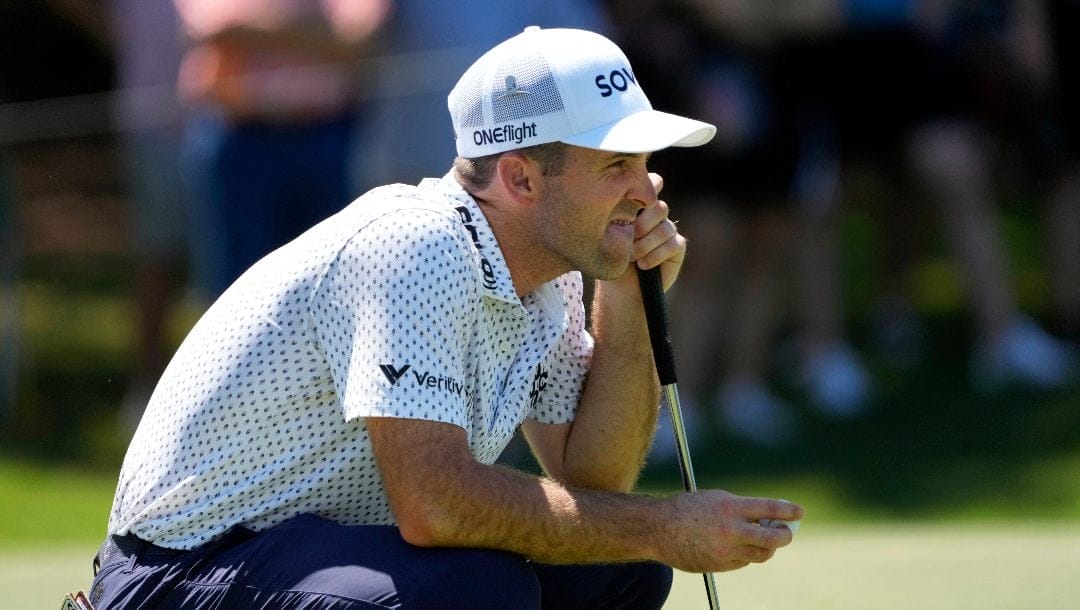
<point>512,89</point>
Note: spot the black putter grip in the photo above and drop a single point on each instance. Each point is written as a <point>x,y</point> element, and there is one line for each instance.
<point>652,293</point>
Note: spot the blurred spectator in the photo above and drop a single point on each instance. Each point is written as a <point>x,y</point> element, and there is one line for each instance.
<point>37,41</point>
<point>1062,21</point>
<point>10,334</point>
<point>987,67</point>
<point>427,44</point>
<point>274,84</point>
<point>745,206</point>
<point>923,92</point>
<point>148,46</point>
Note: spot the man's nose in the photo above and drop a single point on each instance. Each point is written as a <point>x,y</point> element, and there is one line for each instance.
<point>645,189</point>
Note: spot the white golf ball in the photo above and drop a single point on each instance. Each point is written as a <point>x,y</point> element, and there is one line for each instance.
<point>791,525</point>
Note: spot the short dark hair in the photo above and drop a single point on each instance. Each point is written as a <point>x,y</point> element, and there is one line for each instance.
<point>476,173</point>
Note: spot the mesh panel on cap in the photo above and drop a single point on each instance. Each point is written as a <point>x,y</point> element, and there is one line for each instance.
<point>535,94</point>
<point>470,106</point>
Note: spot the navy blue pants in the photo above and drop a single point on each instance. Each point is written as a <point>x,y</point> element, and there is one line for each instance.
<point>309,563</point>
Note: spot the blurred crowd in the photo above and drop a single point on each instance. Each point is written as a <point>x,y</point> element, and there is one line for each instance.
<point>243,123</point>
<point>929,116</point>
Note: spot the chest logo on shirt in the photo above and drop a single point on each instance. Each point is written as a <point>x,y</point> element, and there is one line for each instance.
<point>539,384</point>
<point>448,385</point>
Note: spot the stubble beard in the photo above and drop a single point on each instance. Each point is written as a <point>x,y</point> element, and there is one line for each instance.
<point>595,257</point>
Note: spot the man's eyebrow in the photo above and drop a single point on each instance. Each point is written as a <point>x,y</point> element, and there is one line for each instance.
<point>622,155</point>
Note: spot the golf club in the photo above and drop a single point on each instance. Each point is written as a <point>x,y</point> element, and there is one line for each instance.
<point>652,294</point>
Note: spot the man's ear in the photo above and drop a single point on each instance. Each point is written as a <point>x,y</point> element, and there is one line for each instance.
<point>519,177</point>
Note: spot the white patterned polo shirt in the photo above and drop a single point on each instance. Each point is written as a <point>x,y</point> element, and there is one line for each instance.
<point>401,305</point>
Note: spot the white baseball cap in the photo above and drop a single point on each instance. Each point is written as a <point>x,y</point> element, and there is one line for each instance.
<point>561,85</point>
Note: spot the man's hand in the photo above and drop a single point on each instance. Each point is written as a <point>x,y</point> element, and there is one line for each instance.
<point>657,240</point>
<point>715,531</point>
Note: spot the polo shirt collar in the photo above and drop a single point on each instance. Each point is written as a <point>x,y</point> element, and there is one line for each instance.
<point>497,283</point>
<point>546,297</point>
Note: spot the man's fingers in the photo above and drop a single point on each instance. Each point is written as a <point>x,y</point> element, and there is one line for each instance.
<point>662,235</point>
<point>657,241</point>
<point>648,218</point>
<point>756,554</point>
<point>755,509</point>
<point>768,537</point>
<point>731,565</point>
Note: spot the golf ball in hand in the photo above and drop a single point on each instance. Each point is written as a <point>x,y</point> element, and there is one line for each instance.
<point>792,525</point>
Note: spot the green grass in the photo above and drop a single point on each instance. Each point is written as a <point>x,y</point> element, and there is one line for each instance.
<point>44,505</point>
<point>36,578</point>
<point>900,565</point>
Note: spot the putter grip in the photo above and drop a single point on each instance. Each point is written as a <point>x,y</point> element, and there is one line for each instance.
<point>652,294</point>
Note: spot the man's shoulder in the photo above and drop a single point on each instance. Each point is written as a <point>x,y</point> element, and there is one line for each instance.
<point>393,197</point>
<point>400,220</point>
<point>397,200</point>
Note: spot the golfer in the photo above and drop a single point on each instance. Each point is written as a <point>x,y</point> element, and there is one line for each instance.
<point>326,435</point>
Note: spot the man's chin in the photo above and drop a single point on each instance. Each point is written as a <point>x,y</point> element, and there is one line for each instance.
<point>612,271</point>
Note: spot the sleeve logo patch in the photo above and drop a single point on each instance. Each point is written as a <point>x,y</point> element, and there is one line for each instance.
<point>448,385</point>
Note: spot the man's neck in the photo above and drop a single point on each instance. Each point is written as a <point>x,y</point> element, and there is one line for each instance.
<point>529,264</point>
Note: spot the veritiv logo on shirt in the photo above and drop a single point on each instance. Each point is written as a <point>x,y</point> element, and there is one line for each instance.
<point>392,373</point>
<point>424,380</point>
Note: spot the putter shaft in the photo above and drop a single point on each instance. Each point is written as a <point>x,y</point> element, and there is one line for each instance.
<point>686,469</point>
<point>652,294</point>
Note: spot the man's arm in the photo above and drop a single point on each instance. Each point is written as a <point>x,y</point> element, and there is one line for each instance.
<point>441,496</point>
<point>605,446</point>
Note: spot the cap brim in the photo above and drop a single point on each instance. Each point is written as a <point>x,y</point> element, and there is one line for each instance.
<point>645,131</point>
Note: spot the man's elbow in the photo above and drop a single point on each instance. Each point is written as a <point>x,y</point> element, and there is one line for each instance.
<point>425,526</point>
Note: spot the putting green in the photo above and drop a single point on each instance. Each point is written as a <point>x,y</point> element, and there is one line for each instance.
<point>897,566</point>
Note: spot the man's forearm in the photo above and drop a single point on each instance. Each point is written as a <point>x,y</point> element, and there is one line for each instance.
<point>616,419</point>
<point>441,496</point>
<point>546,521</point>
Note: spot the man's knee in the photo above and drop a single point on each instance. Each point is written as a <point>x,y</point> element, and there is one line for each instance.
<point>473,578</point>
<point>649,584</point>
<point>625,585</point>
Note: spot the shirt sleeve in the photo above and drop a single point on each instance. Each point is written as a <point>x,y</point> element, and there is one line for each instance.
<point>393,315</point>
<point>566,366</point>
